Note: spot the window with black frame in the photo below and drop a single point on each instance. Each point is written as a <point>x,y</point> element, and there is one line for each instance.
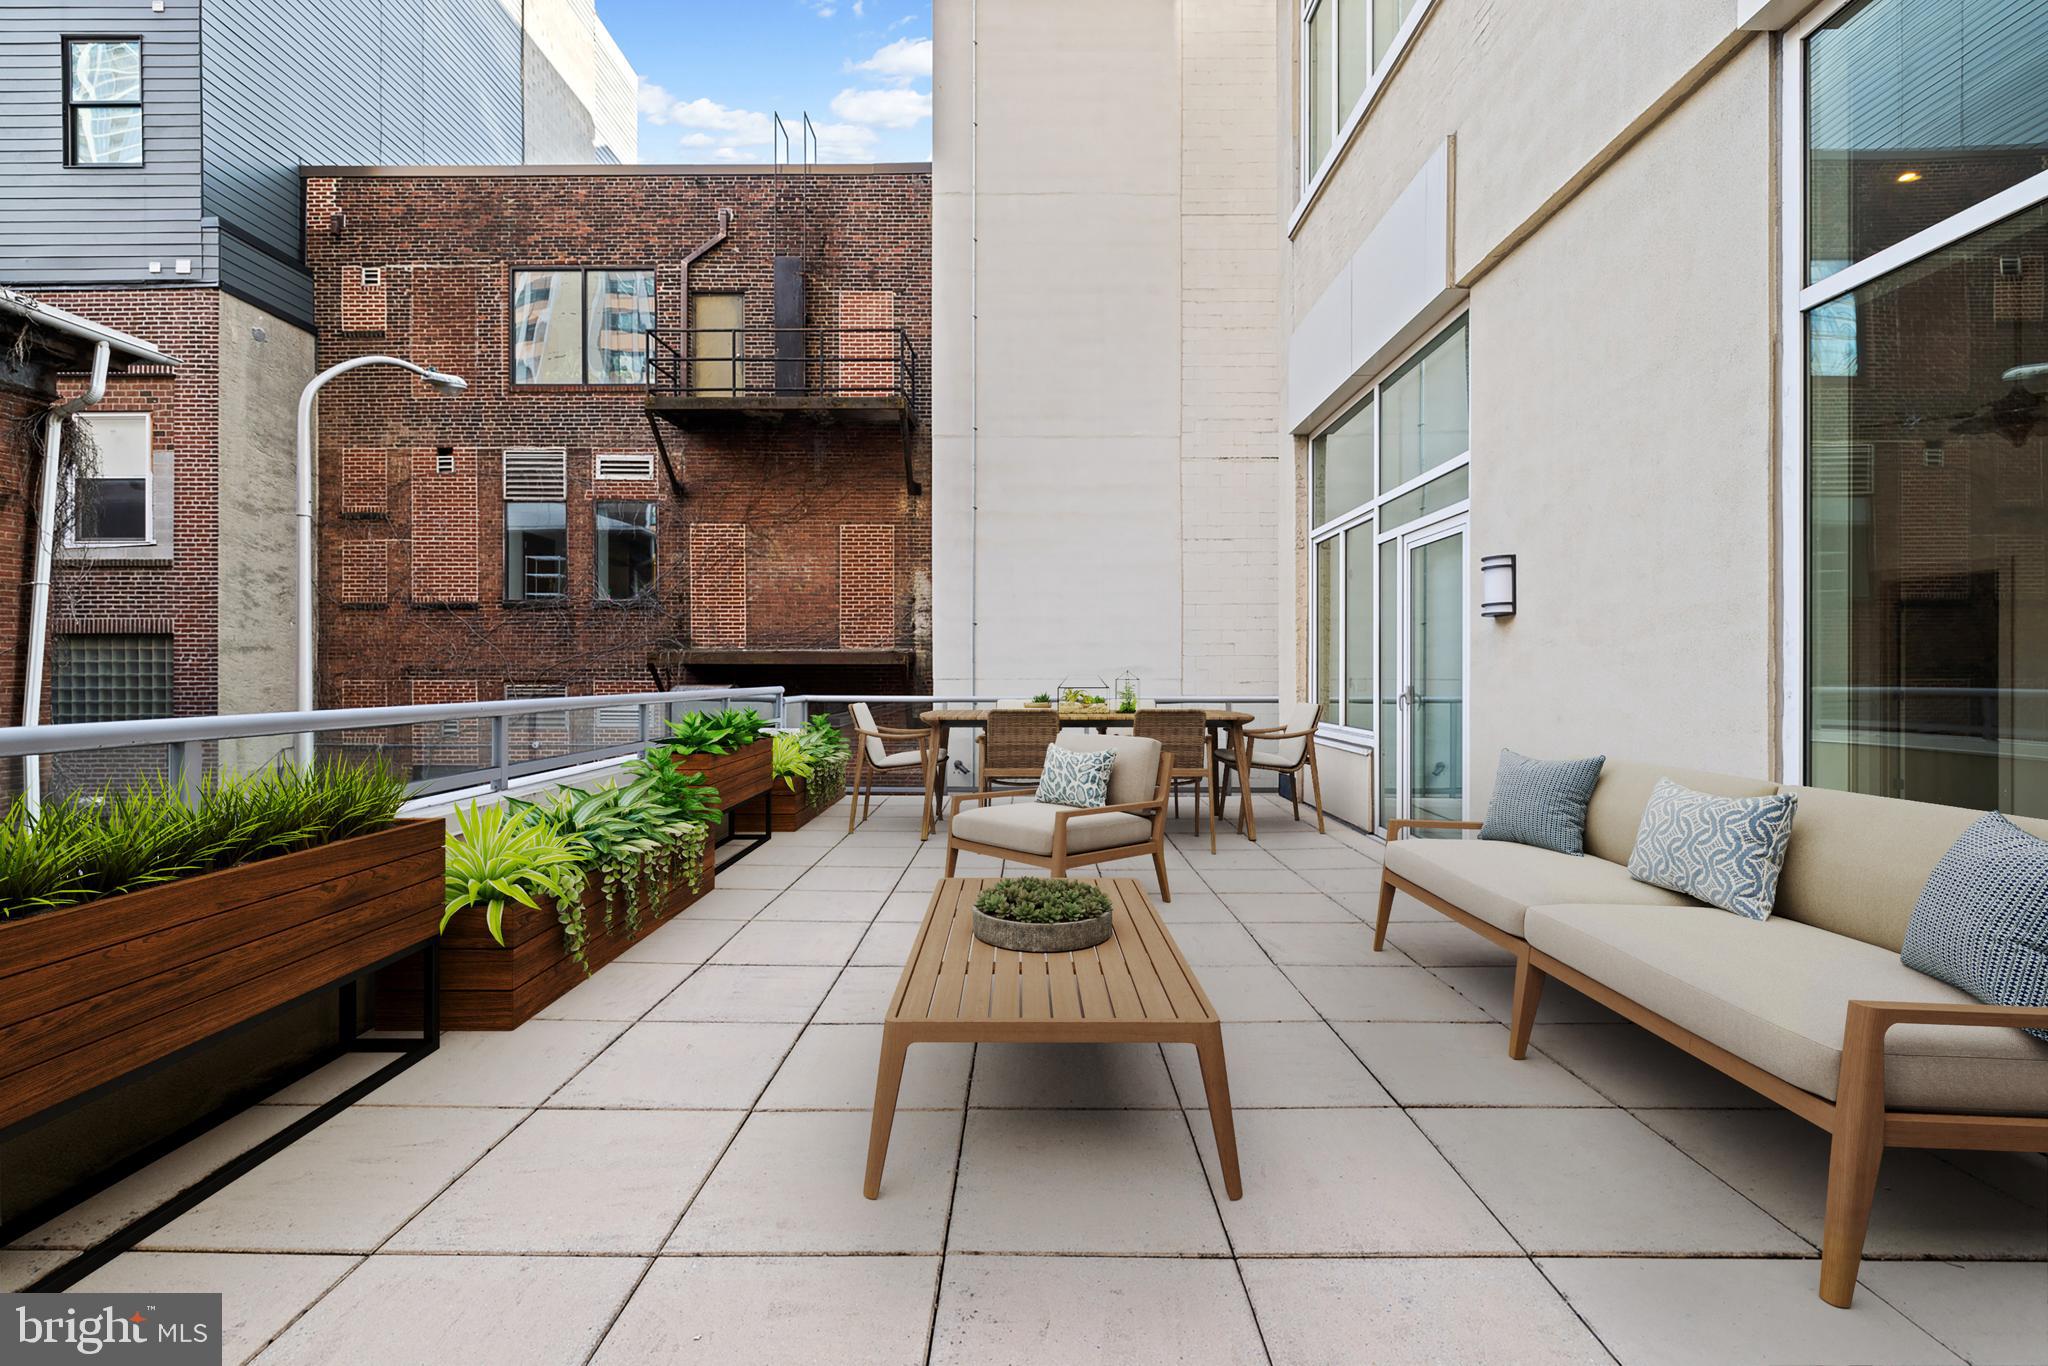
<point>581,326</point>
<point>625,550</point>
<point>103,101</point>
<point>536,552</point>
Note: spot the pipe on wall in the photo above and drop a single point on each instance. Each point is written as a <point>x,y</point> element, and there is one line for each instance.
<point>46,554</point>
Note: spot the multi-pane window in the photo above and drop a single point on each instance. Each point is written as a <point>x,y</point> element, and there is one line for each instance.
<point>625,549</point>
<point>1344,44</point>
<point>536,551</point>
<point>1925,413</point>
<point>1386,463</point>
<point>110,678</point>
<point>111,489</point>
<point>103,101</point>
<point>581,326</point>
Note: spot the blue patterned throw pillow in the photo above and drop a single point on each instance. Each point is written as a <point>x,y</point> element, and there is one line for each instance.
<point>1725,851</point>
<point>1541,801</point>
<point>1981,923</point>
<point>1075,777</point>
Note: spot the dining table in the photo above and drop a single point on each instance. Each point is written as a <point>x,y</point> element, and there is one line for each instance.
<point>1228,725</point>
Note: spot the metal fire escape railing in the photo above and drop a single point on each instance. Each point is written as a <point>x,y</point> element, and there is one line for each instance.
<point>784,362</point>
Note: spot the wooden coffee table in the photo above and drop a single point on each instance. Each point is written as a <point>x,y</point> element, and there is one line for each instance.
<point>1134,988</point>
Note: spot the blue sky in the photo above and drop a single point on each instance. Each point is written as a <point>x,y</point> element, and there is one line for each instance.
<point>712,72</point>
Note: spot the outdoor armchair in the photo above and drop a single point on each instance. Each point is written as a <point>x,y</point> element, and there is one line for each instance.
<point>1132,823</point>
<point>1287,748</point>
<point>871,756</point>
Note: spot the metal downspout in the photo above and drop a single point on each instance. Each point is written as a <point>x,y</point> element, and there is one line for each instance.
<point>46,553</point>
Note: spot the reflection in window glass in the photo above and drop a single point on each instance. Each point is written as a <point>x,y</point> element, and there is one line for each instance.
<point>619,312</point>
<point>1341,466</point>
<point>112,487</point>
<point>1390,673</point>
<point>106,72</point>
<point>625,549</point>
<point>1317,83</point>
<point>1326,627</point>
<point>1927,538</point>
<point>536,551</point>
<point>103,102</point>
<point>1915,110</point>
<point>1423,411</point>
<point>1354,54</point>
<point>1386,22</point>
<point>1358,558</point>
<point>106,137</point>
<point>547,327</point>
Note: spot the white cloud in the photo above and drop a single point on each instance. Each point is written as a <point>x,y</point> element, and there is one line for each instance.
<point>859,8</point>
<point>900,62</point>
<point>845,142</point>
<point>883,108</point>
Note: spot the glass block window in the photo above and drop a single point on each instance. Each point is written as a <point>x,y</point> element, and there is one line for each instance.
<point>110,678</point>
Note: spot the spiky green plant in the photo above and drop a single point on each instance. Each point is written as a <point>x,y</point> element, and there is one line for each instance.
<point>683,792</point>
<point>719,732</point>
<point>494,860</point>
<point>42,860</point>
<point>790,761</point>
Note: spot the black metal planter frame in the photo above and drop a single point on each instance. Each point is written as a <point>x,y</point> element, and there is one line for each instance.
<point>406,1051</point>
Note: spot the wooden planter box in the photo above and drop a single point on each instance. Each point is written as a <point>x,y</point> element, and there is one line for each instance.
<point>740,776</point>
<point>486,985</point>
<point>90,993</point>
<point>792,809</point>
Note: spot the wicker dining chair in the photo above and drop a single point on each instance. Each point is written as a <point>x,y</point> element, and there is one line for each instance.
<point>871,754</point>
<point>1012,746</point>
<point>1184,735</point>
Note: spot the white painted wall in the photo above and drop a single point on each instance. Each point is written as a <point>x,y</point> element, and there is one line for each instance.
<point>1106,346</point>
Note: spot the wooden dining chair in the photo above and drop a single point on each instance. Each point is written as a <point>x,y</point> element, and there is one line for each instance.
<point>1289,748</point>
<point>1184,736</point>
<point>1011,748</point>
<point>871,754</point>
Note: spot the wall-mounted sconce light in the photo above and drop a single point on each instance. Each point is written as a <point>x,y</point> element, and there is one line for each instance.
<point>1497,586</point>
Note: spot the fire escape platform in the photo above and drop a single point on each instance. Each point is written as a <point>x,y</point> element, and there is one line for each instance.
<point>700,411</point>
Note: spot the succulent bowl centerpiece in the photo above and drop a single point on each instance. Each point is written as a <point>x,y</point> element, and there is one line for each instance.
<point>1042,915</point>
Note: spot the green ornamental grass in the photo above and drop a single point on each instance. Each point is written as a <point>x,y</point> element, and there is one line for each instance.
<point>1042,900</point>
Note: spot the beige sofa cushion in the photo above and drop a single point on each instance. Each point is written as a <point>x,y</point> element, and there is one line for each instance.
<point>1026,826</point>
<point>1498,881</point>
<point>1135,775</point>
<point>1775,993</point>
<point>1616,811</point>
<point>1857,863</point>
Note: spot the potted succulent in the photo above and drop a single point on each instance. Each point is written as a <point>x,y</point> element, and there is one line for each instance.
<point>1040,702</point>
<point>1042,915</point>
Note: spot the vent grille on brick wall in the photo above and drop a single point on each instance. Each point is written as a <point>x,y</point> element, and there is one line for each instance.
<point>536,476</point>
<point>624,467</point>
<point>373,275</point>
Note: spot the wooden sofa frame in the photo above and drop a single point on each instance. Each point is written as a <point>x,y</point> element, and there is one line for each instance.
<point>1857,1119</point>
<point>1060,860</point>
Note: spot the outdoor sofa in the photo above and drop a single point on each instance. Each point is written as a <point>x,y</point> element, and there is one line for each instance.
<point>1811,1008</point>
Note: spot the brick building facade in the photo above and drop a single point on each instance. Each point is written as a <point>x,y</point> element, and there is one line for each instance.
<point>786,549</point>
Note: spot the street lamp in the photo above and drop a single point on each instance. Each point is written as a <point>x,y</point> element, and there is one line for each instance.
<point>442,382</point>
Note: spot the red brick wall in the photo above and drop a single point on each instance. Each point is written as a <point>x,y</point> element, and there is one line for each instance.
<point>750,556</point>
<point>184,409</point>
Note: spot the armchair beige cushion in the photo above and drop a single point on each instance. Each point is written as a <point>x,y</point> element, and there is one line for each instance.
<point>1026,826</point>
<point>1499,882</point>
<point>1775,993</point>
<point>1285,754</point>
<point>1135,775</point>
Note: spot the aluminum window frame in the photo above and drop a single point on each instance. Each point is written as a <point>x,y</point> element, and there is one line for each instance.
<point>1336,526</point>
<point>1795,716</point>
<point>1344,124</point>
<point>65,42</point>
<point>72,539</point>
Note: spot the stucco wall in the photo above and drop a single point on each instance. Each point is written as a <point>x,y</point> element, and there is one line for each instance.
<point>1622,420</point>
<point>259,393</point>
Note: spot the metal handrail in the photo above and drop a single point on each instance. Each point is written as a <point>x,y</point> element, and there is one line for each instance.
<point>669,372</point>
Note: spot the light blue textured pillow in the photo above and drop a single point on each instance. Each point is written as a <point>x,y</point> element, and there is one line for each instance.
<point>1076,777</point>
<point>1981,922</point>
<point>1725,851</point>
<point>1541,801</point>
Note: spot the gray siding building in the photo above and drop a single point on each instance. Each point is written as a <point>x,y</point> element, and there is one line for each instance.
<point>233,96</point>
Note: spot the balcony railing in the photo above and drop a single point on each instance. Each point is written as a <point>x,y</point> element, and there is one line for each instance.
<point>824,364</point>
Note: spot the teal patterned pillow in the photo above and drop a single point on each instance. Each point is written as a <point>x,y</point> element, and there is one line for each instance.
<point>1726,851</point>
<point>1075,777</point>
<point>1981,923</point>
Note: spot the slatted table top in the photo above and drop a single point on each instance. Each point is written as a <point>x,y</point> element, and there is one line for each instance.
<point>1134,986</point>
